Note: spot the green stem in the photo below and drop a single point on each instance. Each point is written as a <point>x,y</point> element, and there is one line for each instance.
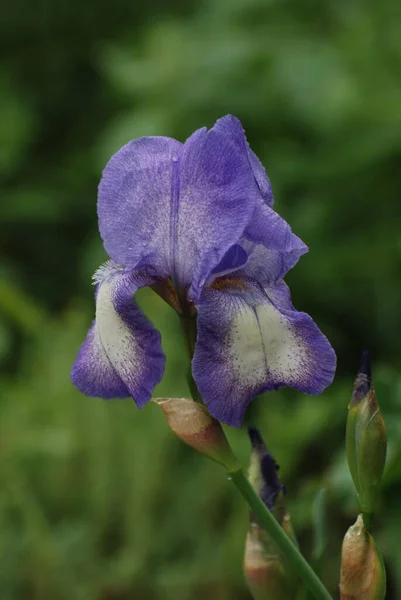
<point>368,521</point>
<point>278,535</point>
<point>188,325</point>
<point>241,482</point>
<point>193,387</point>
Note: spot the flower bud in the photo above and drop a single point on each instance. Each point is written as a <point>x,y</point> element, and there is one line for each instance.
<point>366,439</point>
<point>191,422</point>
<point>363,576</point>
<point>263,471</point>
<point>265,569</point>
<point>267,572</point>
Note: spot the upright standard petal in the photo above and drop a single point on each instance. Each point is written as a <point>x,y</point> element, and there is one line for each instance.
<point>122,353</point>
<point>251,340</point>
<point>230,125</point>
<point>178,209</point>
<point>217,197</point>
<point>271,231</point>
<point>134,203</point>
<point>269,265</point>
<point>235,259</point>
<point>266,226</point>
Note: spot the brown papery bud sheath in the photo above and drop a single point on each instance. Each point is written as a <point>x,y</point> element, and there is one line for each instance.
<point>265,569</point>
<point>363,575</point>
<point>191,422</point>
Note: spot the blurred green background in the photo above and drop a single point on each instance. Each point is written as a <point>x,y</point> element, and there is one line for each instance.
<point>99,501</point>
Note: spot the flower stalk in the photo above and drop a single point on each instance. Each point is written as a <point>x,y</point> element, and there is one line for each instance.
<point>192,423</point>
<point>266,519</point>
<point>278,535</point>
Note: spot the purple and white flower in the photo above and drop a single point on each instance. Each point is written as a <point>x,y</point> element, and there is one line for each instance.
<point>195,221</point>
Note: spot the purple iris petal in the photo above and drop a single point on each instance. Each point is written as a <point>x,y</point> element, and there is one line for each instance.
<point>251,340</point>
<point>232,126</point>
<point>122,354</point>
<point>217,198</point>
<point>233,260</point>
<point>268,265</point>
<point>177,209</point>
<point>266,226</point>
<point>134,203</point>
<point>269,229</point>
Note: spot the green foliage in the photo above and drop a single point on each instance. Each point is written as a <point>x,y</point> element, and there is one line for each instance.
<point>89,502</point>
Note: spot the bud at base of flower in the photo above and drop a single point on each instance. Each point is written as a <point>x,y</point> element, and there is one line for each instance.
<point>363,576</point>
<point>265,569</point>
<point>191,422</point>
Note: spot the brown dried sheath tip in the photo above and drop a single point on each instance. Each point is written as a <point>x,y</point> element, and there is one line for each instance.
<point>265,568</point>
<point>191,422</point>
<point>363,575</point>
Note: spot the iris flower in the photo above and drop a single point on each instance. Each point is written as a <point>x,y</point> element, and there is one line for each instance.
<point>195,222</point>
